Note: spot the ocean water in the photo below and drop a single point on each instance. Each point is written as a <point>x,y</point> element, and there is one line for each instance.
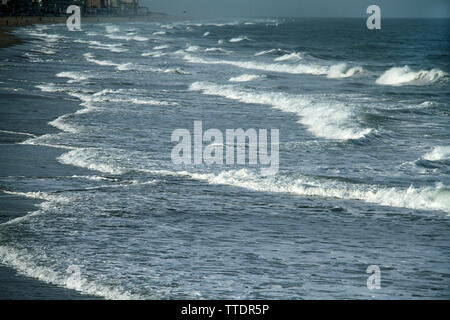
<point>364,159</point>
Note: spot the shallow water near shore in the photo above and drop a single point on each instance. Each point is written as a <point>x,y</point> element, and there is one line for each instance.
<point>364,159</point>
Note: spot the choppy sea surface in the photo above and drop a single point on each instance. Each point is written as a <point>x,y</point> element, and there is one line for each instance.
<point>364,153</point>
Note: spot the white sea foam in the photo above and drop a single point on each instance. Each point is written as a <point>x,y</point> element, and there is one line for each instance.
<point>126,96</point>
<point>39,195</point>
<point>207,33</point>
<point>126,66</point>
<point>398,76</point>
<point>150,102</point>
<point>51,201</point>
<point>50,87</point>
<point>220,50</point>
<point>273,67</point>
<point>94,178</point>
<point>239,39</point>
<point>127,37</point>
<point>113,47</point>
<point>42,141</point>
<point>438,153</point>
<point>246,78</point>
<point>430,198</point>
<point>112,29</point>
<point>73,76</point>
<point>46,36</point>
<point>191,48</point>
<point>91,158</point>
<point>326,119</point>
<point>61,124</point>
<point>159,33</point>
<point>44,50</point>
<point>119,66</point>
<point>342,71</point>
<point>155,54</point>
<point>109,47</point>
<point>264,52</point>
<point>295,56</point>
<point>25,263</point>
<point>18,133</point>
<point>161,47</point>
<point>90,57</point>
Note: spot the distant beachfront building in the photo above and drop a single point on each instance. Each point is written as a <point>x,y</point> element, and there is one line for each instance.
<point>59,7</point>
<point>22,7</point>
<point>56,6</point>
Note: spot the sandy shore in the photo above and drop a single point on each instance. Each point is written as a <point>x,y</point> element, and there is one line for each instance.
<point>8,23</point>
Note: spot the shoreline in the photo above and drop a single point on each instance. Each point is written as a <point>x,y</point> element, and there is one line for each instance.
<point>7,24</point>
<point>20,120</point>
<point>13,284</point>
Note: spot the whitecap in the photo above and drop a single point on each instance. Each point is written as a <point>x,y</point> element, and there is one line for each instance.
<point>246,78</point>
<point>300,68</point>
<point>294,56</point>
<point>438,153</point>
<point>323,118</point>
<point>398,76</point>
<point>239,39</point>
<point>342,71</point>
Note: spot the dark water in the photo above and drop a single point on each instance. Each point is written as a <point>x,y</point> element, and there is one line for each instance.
<point>364,159</point>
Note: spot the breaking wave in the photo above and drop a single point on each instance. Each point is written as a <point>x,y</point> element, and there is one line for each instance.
<point>341,71</point>
<point>246,77</point>
<point>325,119</point>
<point>398,76</point>
<point>274,67</point>
<point>438,153</point>
<point>295,56</point>
<point>430,198</point>
<point>239,39</point>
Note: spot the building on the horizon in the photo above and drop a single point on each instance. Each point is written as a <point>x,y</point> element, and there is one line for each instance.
<point>59,7</point>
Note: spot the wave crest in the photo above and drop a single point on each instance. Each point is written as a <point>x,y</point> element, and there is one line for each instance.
<point>398,76</point>
<point>325,119</point>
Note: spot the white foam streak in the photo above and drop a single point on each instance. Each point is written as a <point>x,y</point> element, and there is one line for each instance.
<point>246,78</point>
<point>295,56</point>
<point>264,52</point>
<point>239,39</point>
<point>161,47</point>
<point>155,54</point>
<point>25,263</point>
<point>215,49</point>
<point>437,198</point>
<point>74,76</point>
<point>18,133</point>
<point>88,158</point>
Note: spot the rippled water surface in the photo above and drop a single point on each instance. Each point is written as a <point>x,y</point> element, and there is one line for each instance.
<point>364,156</point>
